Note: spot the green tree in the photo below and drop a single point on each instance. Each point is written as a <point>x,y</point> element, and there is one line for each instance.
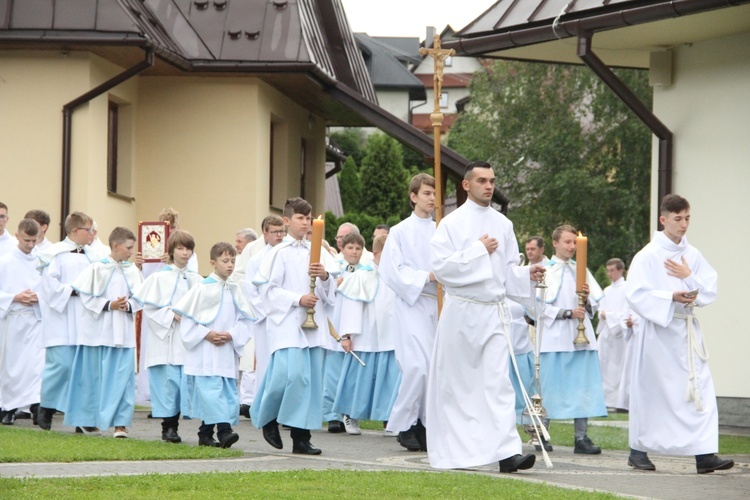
<point>384,179</point>
<point>352,142</point>
<point>565,150</point>
<point>350,186</point>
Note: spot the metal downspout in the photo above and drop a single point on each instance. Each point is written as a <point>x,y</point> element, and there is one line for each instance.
<point>68,123</point>
<point>664,183</point>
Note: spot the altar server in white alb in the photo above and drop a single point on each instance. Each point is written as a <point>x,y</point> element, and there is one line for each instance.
<point>214,328</point>
<point>367,392</point>
<point>62,311</point>
<point>470,400</point>
<point>102,380</point>
<point>569,373</point>
<point>672,399</point>
<point>291,392</point>
<point>7,241</point>
<point>611,331</point>
<point>166,354</point>
<point>21,350</point>
<point>405,268</point>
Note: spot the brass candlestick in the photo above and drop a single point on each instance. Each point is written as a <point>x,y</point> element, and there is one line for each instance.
<point>310,321</point>
<point>581,337</point>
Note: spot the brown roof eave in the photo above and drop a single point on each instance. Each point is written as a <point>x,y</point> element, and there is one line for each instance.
<point>587,21</point>
<point>406,133</point>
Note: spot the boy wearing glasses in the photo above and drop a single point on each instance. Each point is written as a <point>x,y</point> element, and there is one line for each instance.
<point>61,308</point>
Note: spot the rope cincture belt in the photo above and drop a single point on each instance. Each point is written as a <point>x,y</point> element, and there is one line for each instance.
<point>694,347</point>
<point>536,420</point>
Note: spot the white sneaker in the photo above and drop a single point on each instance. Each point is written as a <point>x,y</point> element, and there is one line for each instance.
<point>121,433</point>
<point>352,426</point>
<point>389,434</point>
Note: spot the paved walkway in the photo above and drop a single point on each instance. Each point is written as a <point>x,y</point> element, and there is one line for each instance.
<point>675,477</point>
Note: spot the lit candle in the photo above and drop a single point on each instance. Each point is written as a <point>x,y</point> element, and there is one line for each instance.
<point>318,229</point>
<point>581,257</point>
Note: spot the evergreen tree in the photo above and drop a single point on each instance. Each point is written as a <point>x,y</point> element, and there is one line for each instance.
<point>384,179</point>
<point>350,186</point>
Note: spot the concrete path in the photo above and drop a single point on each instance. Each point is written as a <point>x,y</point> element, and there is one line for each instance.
<point>675,477</point>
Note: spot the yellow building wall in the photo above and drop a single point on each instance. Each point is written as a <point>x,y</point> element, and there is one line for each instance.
<point>198,144</point>
<point>203,148</point>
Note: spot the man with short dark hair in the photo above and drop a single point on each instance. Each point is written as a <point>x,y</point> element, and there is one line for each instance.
<point>471,417</point>
<point>673,407</point>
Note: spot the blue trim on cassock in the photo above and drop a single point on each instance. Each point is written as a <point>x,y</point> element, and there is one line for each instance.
<point>292,389</point>
<point>58,360</point>
<point>526,369</point>
<point>572,384</point>
<point>333,365</point>
<point>168,389</point>
<point>213,399</point>
<point>368,392</point>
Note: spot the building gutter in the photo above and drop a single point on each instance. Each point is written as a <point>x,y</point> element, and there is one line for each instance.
<point>68,110</point>
<point>579,23</point>
<point>666,140</point>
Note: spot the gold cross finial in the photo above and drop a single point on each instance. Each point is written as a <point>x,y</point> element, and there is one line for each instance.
<point>439,56</point>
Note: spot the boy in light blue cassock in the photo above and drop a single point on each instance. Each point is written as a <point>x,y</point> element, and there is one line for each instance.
<point>214,328</point>
<point>367,392</point>
<point>102,380</point>
<point>291,392</point>
<point>165,356</point>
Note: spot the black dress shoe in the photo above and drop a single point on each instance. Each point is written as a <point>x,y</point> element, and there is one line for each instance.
<point>640,461</point>
<point>44,418</point>
<point>272,436</point>
<point>245,411</point>
<point>305,448</point>
<point>22,415</point>
<point>710,463</point>
<point>421,434</point>
<point>547,445</point>
<point>586,447</point>
<point>9,417</point>
<point>207,441</point>
<point>170,436</point>
<point>409,440</point>
<point>336,426</point>
<point>228,439</point>
<point>34,413</point>
<point>517,462</point>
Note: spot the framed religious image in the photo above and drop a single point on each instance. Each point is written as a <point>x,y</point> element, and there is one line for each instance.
<point>152,240</point>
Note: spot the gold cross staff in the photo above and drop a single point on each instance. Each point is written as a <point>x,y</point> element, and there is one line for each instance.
<point>436,118</point>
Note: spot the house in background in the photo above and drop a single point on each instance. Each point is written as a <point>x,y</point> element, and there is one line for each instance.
<point>389,62</point>
<point>216,108</point>
<point>457,76</point>
<point>698,58</point>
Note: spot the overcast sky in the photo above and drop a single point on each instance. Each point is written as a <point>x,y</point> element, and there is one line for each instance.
<point>411,17</point>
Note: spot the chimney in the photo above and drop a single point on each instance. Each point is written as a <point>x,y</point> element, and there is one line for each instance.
<point>430,35</point>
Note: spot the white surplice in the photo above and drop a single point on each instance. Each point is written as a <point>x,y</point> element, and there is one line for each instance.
<point>102,282</point>
<point>470,399</point>
<point>7,242</point>
<point>158,293</point>
<point>612,343</point>
<point>60,265</point>
<point>672,399</point>
<point>21,349</point>
<point>405,268</point>
<point>214,305</point>
<point>282,280</point>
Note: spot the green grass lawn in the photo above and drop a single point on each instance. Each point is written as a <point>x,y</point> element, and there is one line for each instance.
<point>305,484</point>
<point>26,445</point>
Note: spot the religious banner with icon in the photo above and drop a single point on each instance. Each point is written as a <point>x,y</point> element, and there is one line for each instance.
<point>152,240</point>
